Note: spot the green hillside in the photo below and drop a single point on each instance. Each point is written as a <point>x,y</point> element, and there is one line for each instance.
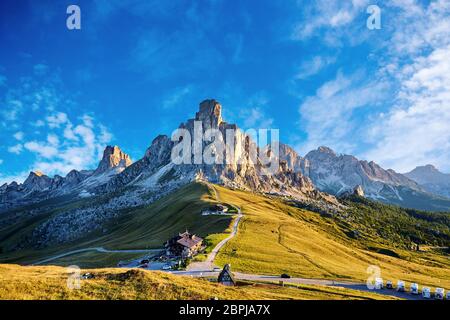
<point>141,228</point>
<point>275,237</point>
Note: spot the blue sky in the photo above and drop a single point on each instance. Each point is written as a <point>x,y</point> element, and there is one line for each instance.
<point>139,68</point>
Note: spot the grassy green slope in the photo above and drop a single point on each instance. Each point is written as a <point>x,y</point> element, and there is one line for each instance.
<point>47,283</point>
<point>275,237</point>
<point>141,228</point>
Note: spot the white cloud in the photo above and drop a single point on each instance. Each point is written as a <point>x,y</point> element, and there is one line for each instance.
<point>69,134</point>
<point>56,120</point>
<point>328,116</point>
<point>255,118</point>
<point>411,125</point>
<point>327,15</point>
<point>19,135</point>
<point>69,148</point>
<point>13,109</point>
<point>417,130</point>
<point>176,97</point>
<point>17,149</point>
<point>88,120</point>
<point>42,149</point>
<point>57,142</point>
<point>254,115</point>
<point>311,67</point>
<point>53,139</point>
<point>39,123</point>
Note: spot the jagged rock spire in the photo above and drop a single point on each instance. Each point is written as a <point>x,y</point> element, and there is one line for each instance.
<point>210,114</point>
<point>113,157</point>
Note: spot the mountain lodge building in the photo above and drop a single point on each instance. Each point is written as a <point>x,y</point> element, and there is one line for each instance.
<point>184,245</point>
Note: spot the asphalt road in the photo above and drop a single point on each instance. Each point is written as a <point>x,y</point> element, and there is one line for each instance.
<point>208,264</point>
<point>306,281</point>
<point>98,249</point>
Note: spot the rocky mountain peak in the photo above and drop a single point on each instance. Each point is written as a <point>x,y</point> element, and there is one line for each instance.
<point>431,179</point>
<point>324,149</point>
<point>37,173</point>
<point>37,181</point>
<point>210,114</point>
<point>113,158</point>
<point>429,168</point>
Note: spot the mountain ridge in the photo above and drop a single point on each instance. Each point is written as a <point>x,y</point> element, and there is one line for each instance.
<point>431,179</point>
<point>316,177</point>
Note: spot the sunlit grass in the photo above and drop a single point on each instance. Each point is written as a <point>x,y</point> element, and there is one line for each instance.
<point>50,283</point>
<point>275,238</point>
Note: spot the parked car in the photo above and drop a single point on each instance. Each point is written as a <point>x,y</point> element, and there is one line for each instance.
<point>285,276</point>
<point>414,288</point>
<point>426,293</point>
<point>439,293</point>
<point>389,285</point>
<point>379,283</point>
<point>216,269</point>
<point>144,266</point>
<point>87,275</point>
<point>448,295</point>
<point>166,267</point>
<point>145,261</point>
<point>400,286</point>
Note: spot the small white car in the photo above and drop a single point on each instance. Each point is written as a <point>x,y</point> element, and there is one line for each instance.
<point>426,293</point>
<point>379,283</point>
<point>414,288</point>
<point>400,286</point>
<point>439,293</point>
<point>166,267</point>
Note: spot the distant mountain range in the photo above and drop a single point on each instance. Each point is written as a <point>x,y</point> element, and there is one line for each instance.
<point>431,179</point>
<point>314,179</point>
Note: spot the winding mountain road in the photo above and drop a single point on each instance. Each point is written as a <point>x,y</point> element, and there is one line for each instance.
<point>206,268</point>
<point>98,249</point>
<point>208,264</point>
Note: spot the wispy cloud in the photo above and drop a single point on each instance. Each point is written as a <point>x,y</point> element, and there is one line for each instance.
<point>328,117</point>
<point>175,97</point>
<point>56,142</point>
<point>19,135</point>
<point>416,130</point>
<point>327,18</point>
<point>254,114</point>
<point>16,149</point>
<point>406,121</point>
<point>313,66</point>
